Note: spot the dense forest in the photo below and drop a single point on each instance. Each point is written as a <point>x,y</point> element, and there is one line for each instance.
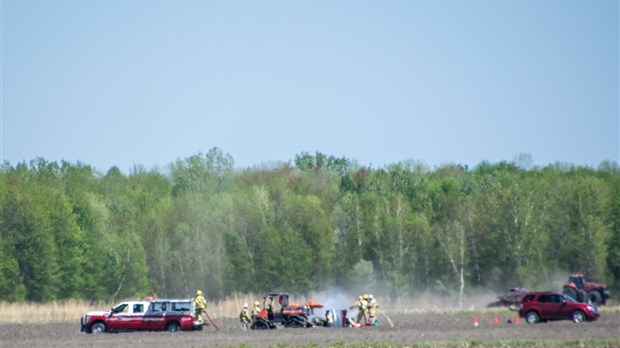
<point>314,223</point>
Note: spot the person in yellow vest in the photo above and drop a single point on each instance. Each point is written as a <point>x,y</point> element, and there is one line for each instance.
<point>200,304</point>
<point>244,317</point>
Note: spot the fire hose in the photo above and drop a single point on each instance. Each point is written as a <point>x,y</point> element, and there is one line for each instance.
<point>386,317</point>
<point>211,321</point>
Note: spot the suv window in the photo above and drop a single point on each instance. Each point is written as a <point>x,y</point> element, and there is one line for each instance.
<point>556,298</point>
<point>544,298</point>
<point>528,298</point>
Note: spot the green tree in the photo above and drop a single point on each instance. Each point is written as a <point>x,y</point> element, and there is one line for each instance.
<point>152,199</point>
<point>304,223</point>
<point>610,173</point>
<point>347,224</point>
<point>578,224</point>
<point>29,238</point>
<point>125,261</point>
<point>450,228</point>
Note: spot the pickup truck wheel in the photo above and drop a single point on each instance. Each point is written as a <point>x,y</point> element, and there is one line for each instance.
<point>532,317</point>
<point>578,317</point>
<point>98,328</point>
<point>173,326</point>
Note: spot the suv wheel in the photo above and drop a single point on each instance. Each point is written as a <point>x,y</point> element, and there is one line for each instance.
<point>532,317</point>
<point>578,316</point>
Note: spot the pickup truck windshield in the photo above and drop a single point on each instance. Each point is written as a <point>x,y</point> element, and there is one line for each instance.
<point>122,308</point>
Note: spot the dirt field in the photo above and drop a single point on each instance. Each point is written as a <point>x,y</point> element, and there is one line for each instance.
<point>409,330</point>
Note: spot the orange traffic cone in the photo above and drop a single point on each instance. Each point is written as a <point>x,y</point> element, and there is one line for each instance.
<point>517,319</point>
<point>495,320</point>
<point>475,321</point>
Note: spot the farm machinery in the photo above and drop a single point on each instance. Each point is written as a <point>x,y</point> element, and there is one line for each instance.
<point>583,291</point>
<point>512,300</point>
<point>277,311</point>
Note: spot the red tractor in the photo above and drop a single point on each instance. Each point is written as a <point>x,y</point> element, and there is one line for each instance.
<point>284,313</point>
<point>583,291</point>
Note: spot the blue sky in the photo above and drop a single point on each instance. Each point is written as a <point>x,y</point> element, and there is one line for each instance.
<point>118,83</point>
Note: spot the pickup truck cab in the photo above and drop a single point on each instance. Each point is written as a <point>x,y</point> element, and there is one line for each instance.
<point>154,315</point>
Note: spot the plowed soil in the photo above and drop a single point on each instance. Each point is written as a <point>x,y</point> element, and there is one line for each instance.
<point>408,330</point>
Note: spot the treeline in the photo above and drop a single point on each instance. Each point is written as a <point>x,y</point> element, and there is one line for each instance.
<point>317,222</point>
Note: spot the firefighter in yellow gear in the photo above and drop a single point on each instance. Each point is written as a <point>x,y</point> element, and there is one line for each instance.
<point>200,304</point>
<point>360,305</point>
<point>255,310</point>
<point>245,318</point>
<point>372,310</point>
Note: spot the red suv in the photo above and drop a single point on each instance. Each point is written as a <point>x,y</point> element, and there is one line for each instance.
<point>542,306</point>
